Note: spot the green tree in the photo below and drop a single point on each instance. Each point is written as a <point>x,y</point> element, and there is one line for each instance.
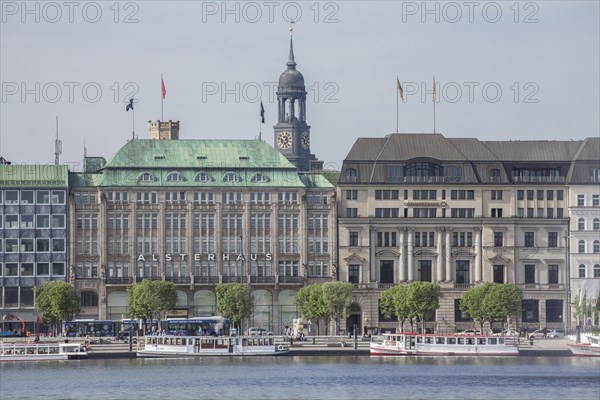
<point>235,301</point>
<point>471,303</point>
<point>423,299</point>
<point>502,301</point>
<point>56,301</point>
<point>394,301</point>
<point>311,304</point>
<point>337,297</point>
<point>151,299</point>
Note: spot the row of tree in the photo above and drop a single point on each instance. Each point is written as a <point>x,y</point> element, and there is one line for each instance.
<point>489,302</point>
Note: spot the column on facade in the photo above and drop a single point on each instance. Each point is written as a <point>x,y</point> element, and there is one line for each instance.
<point>161,240</point>
<point>246,242</point>
<point>372,254</point>
<point>302,236</point>
<point>275,239</point>
<point>401,263</point>
<point>448,255</point>
<point>189,240</point>
<point>103,259</point>
<point>72,242</point>
<point>439,271</point>
<point>333,238</point>
<point>410,254</point>
<point>133,242</point>
<point>477,255</point>
<point>218,240</point>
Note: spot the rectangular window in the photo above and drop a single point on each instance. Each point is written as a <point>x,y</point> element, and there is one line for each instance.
<point>26,269</point>
<point>394,173</point>
<point>351,194</point>
<point>554,311</point>
<point>496,194</point>
<point>530,195</point>
<point>529,239</point>
<point>581,200</point>
<point>498,239</point>
<point>559,194</point>
<point>520,212</point>
<point>42,221</point>
<point>550,213</point>
<point>43,269</point>
<point>353,271</point>
<point>530,310</point>
<point>58,221</point>
<point>11,197</point>
<point>58,197</point>
<point>520,194</point>
<point>351,212</point>
<point>498,273</point>
<point>540,195</point>
<point>462,272</point>
<point>425,270</point>
<point>540,213</point>
<point>496,213</point>
<point>559,213</point>
<point>595,200</point>
<point>58,269</point>
<point>529,212</point>
<point>529,274</point>
<point>386,271</point>
<point>42,197</point>
<point>552,239</point>
<point>26,196</point>
<point>553,274</point>
<point>353,239</point>
<point>549,194</point>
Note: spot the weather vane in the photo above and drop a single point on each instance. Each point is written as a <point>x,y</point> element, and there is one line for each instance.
<point>292,22</point>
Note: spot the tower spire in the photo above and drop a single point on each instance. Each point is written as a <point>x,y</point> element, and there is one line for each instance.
<point>291,63</point>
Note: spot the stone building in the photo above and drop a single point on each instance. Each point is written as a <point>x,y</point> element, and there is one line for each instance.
<point>458,212</point>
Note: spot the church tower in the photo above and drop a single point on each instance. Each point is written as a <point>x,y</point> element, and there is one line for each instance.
<point>292,134</point>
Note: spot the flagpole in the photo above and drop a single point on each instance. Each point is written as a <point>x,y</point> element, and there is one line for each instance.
<point>434,98</point>
<point>161,98</point>
<point>133,123</point>
<point>397,107</point>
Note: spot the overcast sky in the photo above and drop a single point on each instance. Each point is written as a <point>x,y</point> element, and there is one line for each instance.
<point>505,71</point>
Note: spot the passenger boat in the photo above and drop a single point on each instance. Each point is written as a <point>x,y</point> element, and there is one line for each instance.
<point>408,343</point>
<point>41,351</point>
<point>590,349</point>
<point>193,346</point>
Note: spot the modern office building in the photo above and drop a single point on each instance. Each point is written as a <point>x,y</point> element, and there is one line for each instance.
<point>33,237</point>
<point>458,212</point>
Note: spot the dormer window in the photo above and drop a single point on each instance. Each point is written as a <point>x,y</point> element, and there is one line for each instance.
<point>202,177</point>
<point>174,177</point>
<point>494,175</point>
<point>259,177</point>
<point>350,175</point>
<point>231,177</point>
<point>146,177</point>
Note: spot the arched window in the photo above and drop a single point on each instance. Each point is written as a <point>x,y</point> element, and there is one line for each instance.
<point>581,246</point>
<point>146,177</point>
<point>596,224</point>
<point>88,299</point>
<point>425,169</point>
<point>596,246</point>
<point>581,270</point>
<point>581,224</point>
<point>597,271</point>
<point>351,175</point>
<point>259,177</point>
<point>202,177</point>
<point>174,177</point>
<point>231,177</point>
<point>494,175</point>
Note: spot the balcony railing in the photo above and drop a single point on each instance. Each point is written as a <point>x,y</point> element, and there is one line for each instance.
<point>262,279</point>
<point>178,279</point>
<point>206,279</point>
<point>119,281</point>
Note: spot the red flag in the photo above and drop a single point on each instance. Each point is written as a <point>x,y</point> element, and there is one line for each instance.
<point>164,90</point>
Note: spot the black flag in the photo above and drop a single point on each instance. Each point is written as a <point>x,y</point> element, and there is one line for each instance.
<point>262,113</point>
<point>130,105</point>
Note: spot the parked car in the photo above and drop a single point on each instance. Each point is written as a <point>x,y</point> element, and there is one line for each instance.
<point>259,332</point>
<point>544,333</point>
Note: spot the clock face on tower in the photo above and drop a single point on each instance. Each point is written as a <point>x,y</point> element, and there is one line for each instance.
<point>306,140</point>
<point>284,140</point>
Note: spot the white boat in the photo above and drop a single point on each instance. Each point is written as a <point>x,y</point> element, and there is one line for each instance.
<point>408,343</point>
<point>194,346</point>
<point>41,351</point>
<point>589,349</point>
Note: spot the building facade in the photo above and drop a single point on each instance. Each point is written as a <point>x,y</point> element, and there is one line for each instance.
<point>458,212</point>
<point>33,237</point>
<point>198,213</point>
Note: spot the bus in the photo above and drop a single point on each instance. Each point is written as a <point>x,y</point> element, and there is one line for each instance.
<point>90,327</point>
<point>197,326</point>
<point>126,324</point>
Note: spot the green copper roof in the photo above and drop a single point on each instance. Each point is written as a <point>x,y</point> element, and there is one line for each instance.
<point>34,176</point>
<point>153,163</point>
<point>146,153</point>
